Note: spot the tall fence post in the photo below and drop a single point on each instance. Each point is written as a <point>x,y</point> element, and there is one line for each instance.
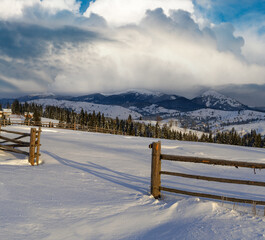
<point>38,146</point>
<point>155,169</point>
<point>32,146</point>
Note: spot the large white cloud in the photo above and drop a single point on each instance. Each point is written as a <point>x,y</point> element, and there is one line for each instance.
<point>161,53</point>
<point>121,12</point>
<point>163,50</point>
<point>14,8</point>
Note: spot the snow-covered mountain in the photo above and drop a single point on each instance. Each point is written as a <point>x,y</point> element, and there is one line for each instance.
<point>108,110</point>
<point>215,100</point>
<point>210,111</point>
<point>141,100</point>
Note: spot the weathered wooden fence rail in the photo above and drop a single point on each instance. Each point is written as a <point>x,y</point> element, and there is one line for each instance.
<point>12,144</point>
<point>156,173</point>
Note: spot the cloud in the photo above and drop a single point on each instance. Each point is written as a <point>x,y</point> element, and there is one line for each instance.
<point>14,8</point>
<point>43,16</point>
<point>254,93</point>
<point>233,11</point>
<point>166,49</point>
<point>19,40</point>
<point>162,53</point>
<point>226,41</point>
<point>121,12</point>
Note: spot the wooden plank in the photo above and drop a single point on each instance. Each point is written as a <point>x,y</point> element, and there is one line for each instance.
<point>17,138</point>
<point>14,145</point>
<point>204,195</point>
<point>13,140</point>
<point>14,132</point>
<point>10,149</point>
<point>212,161</point>
<point>235,181</point>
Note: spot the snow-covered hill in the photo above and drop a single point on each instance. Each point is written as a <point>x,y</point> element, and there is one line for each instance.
<point>216,119</point>
<point>108,110</point>
<point>209,111</point>
<point>215,100</point>
<point>96,186</point>
<point>202,119</point>
<point>242,129</point>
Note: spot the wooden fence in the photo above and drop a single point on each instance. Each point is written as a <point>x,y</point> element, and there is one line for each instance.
<point>70,126</point>
<point>12,144</point>
<point>156,173</point>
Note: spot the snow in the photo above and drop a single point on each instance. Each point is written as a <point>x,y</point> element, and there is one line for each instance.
<point>45,120</point>
<point>16,118</point>
<point>213,98</point>
<point>227,117</point>
<point>246,128</point>
<point>96,186</point>
<point>108,110</point>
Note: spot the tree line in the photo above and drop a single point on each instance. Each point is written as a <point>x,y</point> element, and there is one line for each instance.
<point>135,128</point>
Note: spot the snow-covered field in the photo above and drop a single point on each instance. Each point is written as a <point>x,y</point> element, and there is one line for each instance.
<point>17,118</point>
<point>96,186</point>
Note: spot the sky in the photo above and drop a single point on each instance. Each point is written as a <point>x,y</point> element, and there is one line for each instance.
<point>184,47</point>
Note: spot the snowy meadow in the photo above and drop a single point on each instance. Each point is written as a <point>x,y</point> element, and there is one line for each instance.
<point>96,186</point>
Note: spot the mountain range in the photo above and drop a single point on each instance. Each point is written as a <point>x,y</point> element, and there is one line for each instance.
<point>139,99</point>
<point>209,111</point>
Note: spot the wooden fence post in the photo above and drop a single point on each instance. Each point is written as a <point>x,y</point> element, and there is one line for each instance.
<point>32,146</point>
<point>155,169</point>
<point>38,146</point>
<point>74,125</point>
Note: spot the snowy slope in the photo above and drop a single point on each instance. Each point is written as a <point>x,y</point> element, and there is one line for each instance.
<point>246,128</point>
<point>108,110</point>
<point>226,117</point>
<point>154,109</point>
<point>95,186</point>
<point>215,100</point>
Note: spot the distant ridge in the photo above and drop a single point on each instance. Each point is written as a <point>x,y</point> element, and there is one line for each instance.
<point>141,99</point>
<point>215,100</point>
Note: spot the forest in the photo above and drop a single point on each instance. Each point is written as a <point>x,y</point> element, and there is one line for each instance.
<point>132,127</point>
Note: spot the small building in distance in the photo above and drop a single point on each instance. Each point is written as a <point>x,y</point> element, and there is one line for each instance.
<point>6,112</point>
<point>28,115</point>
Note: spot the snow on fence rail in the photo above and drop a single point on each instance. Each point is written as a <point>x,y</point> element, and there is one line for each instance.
<point>11,144</point>
<point>156,173</point>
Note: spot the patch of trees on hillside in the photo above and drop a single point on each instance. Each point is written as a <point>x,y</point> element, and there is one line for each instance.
<point>136,128</point>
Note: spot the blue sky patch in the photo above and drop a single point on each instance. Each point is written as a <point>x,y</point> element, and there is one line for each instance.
<point>231,11</point>
<point>84,5</point>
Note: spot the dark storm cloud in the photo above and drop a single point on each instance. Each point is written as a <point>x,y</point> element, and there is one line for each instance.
<point>20,40</point>
<point>249,94</point>
<point>25,70</point>
<point>4,85</point>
